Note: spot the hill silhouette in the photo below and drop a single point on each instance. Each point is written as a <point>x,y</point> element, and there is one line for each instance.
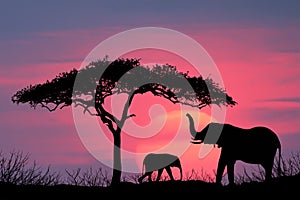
<point>286,185</point>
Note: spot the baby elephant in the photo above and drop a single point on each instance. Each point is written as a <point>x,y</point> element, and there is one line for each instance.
<point>159,162</point>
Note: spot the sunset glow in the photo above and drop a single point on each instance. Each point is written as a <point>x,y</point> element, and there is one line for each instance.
<point>256,51</point>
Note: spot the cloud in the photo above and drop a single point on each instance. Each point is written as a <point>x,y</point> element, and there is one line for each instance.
<point>291,50</point>
<point>276,114</point>
<point>284,100</point>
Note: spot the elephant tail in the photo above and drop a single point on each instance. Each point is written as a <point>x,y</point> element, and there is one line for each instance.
<point>279,169</point>
<point>143,167</point>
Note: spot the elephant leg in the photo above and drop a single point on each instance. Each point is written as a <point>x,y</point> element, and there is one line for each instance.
<point>221,166</point>
<point>230,172</point>
<point>160,171</point>
<point>168,169</point>
<point>140,180</point>
<point>268,170</point>
<point>149,176</point>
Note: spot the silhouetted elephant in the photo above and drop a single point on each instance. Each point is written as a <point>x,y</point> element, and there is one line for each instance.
<point>159,162</point>
<point>257,145</point>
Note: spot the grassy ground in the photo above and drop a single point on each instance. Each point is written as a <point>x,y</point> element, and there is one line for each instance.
<point>288,186</point>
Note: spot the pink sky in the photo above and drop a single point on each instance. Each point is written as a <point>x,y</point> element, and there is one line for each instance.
<point>258,64</point>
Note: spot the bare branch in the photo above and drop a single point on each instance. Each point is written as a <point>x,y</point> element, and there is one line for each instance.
<point>43,105</point>
<point>129,116</point>
<point>14,169</point>
<point>86,109</point>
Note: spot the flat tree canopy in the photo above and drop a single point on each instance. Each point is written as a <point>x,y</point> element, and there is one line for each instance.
<point>58,92</point>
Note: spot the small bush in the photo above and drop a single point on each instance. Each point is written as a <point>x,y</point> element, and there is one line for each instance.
<point>196,175</point>
<point>15,169</point>
<point>90,177</point>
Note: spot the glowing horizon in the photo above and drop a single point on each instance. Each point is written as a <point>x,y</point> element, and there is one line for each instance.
<point>257,54</point>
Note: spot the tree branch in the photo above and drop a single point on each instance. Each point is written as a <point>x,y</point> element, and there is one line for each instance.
<point>86,109</point>
<point>107,118</point>
<point>48,108</point>
<point>129,116</point>
<point>86,104</point>
<point>64,105</point>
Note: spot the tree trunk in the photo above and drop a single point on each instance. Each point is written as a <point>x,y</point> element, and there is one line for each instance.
<point>117,165</point>
<point>117,171</point>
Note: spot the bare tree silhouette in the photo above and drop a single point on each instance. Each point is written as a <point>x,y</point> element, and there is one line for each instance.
<point>16,169</point>
<point>91,94</point>
<point>88,177</point>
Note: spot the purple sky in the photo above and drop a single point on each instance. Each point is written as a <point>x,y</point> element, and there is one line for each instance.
<point>255,45</point>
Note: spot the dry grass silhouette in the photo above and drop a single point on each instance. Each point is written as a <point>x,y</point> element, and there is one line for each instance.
<point>19,176</point>
<point>16,169</point>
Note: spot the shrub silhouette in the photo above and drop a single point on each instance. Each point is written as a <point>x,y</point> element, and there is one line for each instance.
<point>15,169</point>
<point>89,177</point>
<point>21,179</point>
<point>290,166</point>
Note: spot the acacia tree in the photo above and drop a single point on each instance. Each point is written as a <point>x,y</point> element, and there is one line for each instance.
<point>103,79</point>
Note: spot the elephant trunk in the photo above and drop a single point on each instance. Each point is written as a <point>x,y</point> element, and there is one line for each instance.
<point>192,125</point>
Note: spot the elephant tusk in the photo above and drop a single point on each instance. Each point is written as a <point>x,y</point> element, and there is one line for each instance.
<point>196,141</point>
